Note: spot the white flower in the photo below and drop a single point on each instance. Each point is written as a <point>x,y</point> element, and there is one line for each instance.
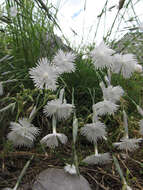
<point>44,75</point>
<point>62,110</point>
<point>128,144</point>
<point>13,11</point>
<point>126,64</point>
<point>94,131</point>
<point>141,126</point>
<point>22,133</point>
<point>52,107</point>
<point>64,61</point>
<point>1,89</point>
<point>102,56</point>
<point>128,187</point>
<point>104,158</point>
<point>113,94</point>
<point>70,169</point>
<point>51,140</point>
<point>138,68</point>
<point>105,107</point>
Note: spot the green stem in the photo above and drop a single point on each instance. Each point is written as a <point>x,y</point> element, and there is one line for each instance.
<point>95,149</point>
<point>125,124</point>
<point>119,170</point>
<point>54,122</point>
<point>22,173</point>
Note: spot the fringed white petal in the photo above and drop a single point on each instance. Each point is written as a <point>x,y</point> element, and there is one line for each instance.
<point>64,61</point>
<point>128,144</point>
<point>60,109</point>
<point>71,169</point>
<point>44,75</point>
<point>105,107</point>
<point>23,133</point>
<point>102,56</point>
<point>94,131</point>
<point>100,159</point>
<point>51,140</point>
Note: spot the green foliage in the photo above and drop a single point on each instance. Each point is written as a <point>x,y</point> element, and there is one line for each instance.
<point>20,105</point>
<point>133,89</point>
<point>84,79</point>
<point>27,37</point>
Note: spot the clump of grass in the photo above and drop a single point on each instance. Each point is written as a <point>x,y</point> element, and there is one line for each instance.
<point>27,37</point>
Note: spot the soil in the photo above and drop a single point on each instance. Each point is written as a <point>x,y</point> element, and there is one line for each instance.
<point>100,177</point>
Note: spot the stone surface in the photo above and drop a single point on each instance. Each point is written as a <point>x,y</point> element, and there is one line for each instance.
<point>131,42</point>
<point>58,179</point>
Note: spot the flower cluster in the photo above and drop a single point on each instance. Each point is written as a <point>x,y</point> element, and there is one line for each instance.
<point>111,95</point>
<point>125,64</point>
<point>104,57</point>
<point>93,132</point>
<point>58,109</point>
<point>45,74</point>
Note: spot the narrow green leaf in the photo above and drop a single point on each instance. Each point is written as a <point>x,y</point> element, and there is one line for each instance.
<point>12,105</point>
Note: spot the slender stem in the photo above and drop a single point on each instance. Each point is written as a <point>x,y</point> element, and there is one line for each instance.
<point>94,117</point>
<point>109,32</point>
<point>43,148</point>
<point>64,83</point>
<point>61,94</point>
<point>22,173</point>
<point>92,96</point>
<point>99,16</point>
<point>125,124</point>
<point>73,96</point>
<point>76,160</point>
<point>54,122</point>
<point>95,149</point>
<point>119,170</point>
<point>109,75</point>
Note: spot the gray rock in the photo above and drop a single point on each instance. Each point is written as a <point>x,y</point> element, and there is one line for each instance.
<point>58,179</point>
<point>131,42</point>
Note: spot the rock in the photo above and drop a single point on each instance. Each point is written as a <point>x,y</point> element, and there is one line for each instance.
<point>52,41</point>
<point>131,42</point>
<point>58,179</point>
